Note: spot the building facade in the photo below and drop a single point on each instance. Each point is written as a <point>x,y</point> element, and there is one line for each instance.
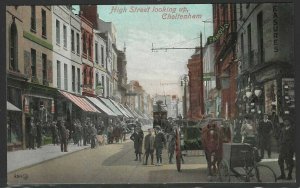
<point>224,21</point>
<point>196,103</point>
<point>266,58</point>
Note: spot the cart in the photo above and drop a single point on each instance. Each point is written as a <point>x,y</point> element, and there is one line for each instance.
<point>242,162</point>
<point>188,137</point>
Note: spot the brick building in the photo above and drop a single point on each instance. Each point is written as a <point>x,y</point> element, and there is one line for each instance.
<point>196,103</point>
<point>87,38</point>
<point>224,21</point>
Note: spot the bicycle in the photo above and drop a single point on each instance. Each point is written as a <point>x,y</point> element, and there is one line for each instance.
<point>248,170</point>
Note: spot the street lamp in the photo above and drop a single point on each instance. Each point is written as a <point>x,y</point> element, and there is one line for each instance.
<point>184,81</point>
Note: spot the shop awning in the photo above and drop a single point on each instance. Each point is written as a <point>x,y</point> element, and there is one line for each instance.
<point>111,106</point>
<point>101,106</point>
<point>80,102</point>
<point>127,111</point>
<point>120,108</point>
<point>12,107</point>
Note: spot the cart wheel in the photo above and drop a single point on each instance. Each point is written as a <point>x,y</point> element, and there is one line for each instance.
<point>224,173</point>
<point>178,151</point>
<point>264,173</point>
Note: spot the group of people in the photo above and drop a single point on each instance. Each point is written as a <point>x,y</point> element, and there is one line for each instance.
<point>260,134</point>
<point>62,131</point>
<point>154,141</point>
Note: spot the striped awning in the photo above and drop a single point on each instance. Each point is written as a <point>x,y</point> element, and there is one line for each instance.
<point>101,106</point>
<point>119,108</point>
<point>80,102</point>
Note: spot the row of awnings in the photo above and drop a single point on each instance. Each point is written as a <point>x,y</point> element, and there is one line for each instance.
<point>103,105</point>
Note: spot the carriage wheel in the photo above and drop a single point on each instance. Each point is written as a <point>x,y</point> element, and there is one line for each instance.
<point>178,151</point>
<point>224,173</point>
<point>264,173</point>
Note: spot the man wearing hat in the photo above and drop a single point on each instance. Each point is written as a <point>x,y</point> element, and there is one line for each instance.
<point>264,135</point>
<point>137,138</point>
<point>286,148</point>
<point>149,145</point>
<point>159,143</point>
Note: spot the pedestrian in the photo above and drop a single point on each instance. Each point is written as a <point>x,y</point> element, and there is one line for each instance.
<point>171,145</point>
<point>93,136</point>
<point>286,148</point>
<point>32,134</point>
<point>84,133</point>
<point>63,137</point>
<point>110,130</point>
<point>159,144</point>
<point>264,136</point>
<point>137,138</point>
<point>248,132</point>
<point>54,133</point>
<point>149,146</point>
<point>39,134</point>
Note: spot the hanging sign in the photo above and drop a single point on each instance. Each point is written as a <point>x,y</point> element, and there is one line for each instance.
<point>217,36</point>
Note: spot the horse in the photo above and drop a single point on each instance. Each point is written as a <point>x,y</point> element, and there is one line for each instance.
<point>212,137</point>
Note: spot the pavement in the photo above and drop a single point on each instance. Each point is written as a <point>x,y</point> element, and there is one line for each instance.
<point>26,158</point>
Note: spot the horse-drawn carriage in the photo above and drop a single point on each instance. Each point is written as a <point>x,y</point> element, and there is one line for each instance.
<point>224,158</point>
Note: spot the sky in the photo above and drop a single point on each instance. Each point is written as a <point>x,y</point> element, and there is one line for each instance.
<point>141,26</point>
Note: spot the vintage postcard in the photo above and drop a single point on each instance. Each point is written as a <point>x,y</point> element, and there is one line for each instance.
<point>150,93</point>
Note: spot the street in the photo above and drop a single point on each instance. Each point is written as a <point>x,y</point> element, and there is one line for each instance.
<point>114,164</point>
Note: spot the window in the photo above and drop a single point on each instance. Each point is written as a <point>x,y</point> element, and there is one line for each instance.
<point>72,41</point>
<point>84,42</point>
<point>33,19</point>
<point>102,56</point>
<point>247,5</point>
<point>102,83</point>
<point>84,76</point>
<point>58,75</point>
<point>44,61</point>
<point>260,37</point>
<point>44,24</point>
<point>242,46</point>
<point>249,44</point>
<point>241,10</point>
<point>66,76</point>
<point>90,46</point>
<point>97,78</point>
<point>73,78</point>
<point>33,63</point>
<point>57,32</point>
<point>13,47</point>
<point>78,80</point>
<point>65,36</point>
<point>91,76</point>
<point>96,53</point>
<point>78,43</point>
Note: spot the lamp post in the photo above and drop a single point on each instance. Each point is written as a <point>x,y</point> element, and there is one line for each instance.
<point>184,80</point>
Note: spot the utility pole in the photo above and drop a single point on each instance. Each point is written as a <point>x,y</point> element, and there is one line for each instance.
<point>201,77</point>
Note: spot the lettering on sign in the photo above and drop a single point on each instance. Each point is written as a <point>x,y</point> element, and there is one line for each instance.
<point>275,29</point>
<point>218,35</point>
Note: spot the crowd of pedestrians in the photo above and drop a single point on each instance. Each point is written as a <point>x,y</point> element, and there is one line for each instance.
<point>81,133</point>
